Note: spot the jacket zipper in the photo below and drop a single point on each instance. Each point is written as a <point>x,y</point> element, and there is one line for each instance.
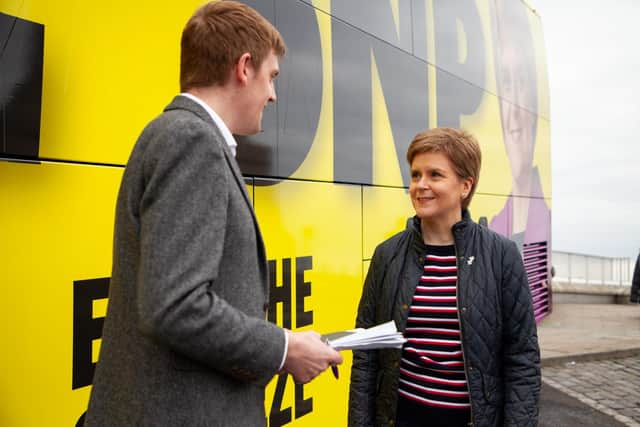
<point>464,358</point>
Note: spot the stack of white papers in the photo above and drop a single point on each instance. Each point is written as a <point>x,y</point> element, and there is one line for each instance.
<point>385,335</point>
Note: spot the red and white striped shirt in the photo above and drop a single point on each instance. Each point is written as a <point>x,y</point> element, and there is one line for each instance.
<point>432,367</point>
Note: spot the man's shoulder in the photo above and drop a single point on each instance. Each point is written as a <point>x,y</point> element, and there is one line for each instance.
<point>178,125</point>
<point>178,119</point>
<point>175,134</point>
<point>180,113</point>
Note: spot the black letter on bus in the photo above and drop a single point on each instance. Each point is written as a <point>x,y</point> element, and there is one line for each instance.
<point>303,406</point>
<point>280,294</point>
<point>303,289</point>
<point>86,328</point>
<point>290,125</point>
<point>278,416</point>
<point>404,83</point>
<point>460,84</point>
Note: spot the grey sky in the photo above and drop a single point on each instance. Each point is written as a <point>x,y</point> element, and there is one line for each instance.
<point>593,57</point>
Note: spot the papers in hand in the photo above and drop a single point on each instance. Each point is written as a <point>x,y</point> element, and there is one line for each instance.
<point>385,335</point>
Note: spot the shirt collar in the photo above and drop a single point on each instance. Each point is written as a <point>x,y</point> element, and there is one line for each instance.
<point>226,133</point>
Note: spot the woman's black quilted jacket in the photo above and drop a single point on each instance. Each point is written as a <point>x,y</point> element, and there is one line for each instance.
<point>499,338</point>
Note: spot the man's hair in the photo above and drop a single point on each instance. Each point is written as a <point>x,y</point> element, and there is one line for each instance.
<point>217,35</point>
<point>459,146</point>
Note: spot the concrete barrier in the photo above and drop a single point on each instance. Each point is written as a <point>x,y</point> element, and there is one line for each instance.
<point>589,293</point>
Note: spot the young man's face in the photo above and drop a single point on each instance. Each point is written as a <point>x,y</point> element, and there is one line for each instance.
<point>259,92</point>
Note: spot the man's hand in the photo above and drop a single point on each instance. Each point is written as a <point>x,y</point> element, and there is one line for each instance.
<point>308,356</point>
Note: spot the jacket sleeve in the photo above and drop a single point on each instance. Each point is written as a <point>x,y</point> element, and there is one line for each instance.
<point>183,221</point>
<point>521,354</point>
<point>362,390</point>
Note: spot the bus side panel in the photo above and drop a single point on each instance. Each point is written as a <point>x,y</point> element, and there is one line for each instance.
<point>56,224</point>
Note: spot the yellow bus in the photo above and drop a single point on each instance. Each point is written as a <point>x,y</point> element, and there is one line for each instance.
<point>328,179</point>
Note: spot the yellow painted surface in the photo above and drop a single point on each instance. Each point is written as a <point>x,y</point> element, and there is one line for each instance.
<point>321,221</point>
<point>484,124</point>
<point>384,213</point>
<point>109,67</point>
<point>319,162</point>
<point>486,206</point>
<point>56,224</point>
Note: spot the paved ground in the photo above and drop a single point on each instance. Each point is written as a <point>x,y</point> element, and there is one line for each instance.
<point>558,409</point>
<point>591,365</point>
<point>579,329</point>
<point>609,386</point>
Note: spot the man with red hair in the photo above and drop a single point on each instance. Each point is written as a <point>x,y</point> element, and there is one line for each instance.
<point>185,340</point>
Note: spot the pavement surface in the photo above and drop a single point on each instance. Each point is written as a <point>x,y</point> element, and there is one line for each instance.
<point>591,365</point>
<point>578,330</point>
<point>558,409</point>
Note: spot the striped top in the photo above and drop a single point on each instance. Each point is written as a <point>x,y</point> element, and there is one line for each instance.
<point>432,367</point>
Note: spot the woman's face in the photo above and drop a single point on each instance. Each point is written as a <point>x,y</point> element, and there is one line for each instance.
<point>516,105</point>
<point>436,191</point>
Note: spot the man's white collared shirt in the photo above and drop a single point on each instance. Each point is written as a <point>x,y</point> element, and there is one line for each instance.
<point>226,133</point>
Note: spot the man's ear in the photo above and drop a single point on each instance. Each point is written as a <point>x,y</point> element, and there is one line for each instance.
<point>243,68</point>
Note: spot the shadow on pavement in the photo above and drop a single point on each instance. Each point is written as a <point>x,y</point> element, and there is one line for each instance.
<point>559,410</point>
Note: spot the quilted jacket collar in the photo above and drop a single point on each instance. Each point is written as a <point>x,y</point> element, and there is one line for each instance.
<point>413,225</point>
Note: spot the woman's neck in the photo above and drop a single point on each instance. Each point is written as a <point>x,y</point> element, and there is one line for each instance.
<point>437,233</point>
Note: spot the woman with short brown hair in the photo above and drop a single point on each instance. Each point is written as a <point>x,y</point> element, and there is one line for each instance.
<point>459,293</point>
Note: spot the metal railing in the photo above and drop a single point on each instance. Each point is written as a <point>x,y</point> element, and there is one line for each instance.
<point>575,268</point>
